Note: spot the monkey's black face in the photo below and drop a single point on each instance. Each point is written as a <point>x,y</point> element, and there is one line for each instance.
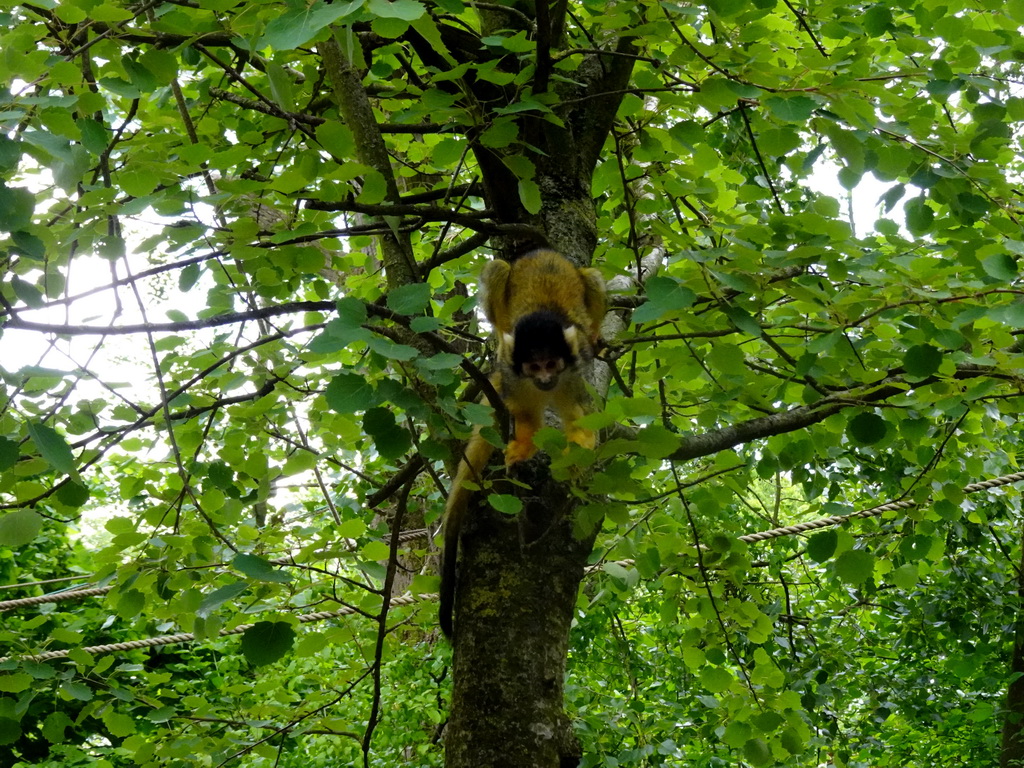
<point>541,350</point>
<point>544,373</point>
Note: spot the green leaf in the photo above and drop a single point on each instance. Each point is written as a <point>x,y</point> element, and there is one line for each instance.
<point>743,320</point>
<point>281,86</point>
<point>736,734</point>
<point>1001,266</point>
<point>866,428</point>
<point>388,349</point>
<point>758,752</point>
<point>877,20</point>
<point>656,442</point>
<point>506,504</point>
<point>130,604</point>
<point>15,683</point>
<point>694,658</point>
<point>411,299</point>
<point>905,577</point>
<point>27,293</point>
<point>297,26</point>
<point>855,566</point>
<point>337,335</point>
<point>52,447</point>
<point>792,109</point>
<point>72,494</point>
<point>664,295</point>
<point>443,361</point>
<point>407,10</point>
<point>16,207</point>
<point>219,596</point>
<point>791,741</point>
<point>9,453</point>
<point>529,195</point>
<point>54,726</point>
<point>19,527</point>
<point>349,392</point>
<point>162,714</point>
<point>351,313</point>
<point>336,138</point>
<point>821,546</point>
<point>391,440</point>
<point>919,216</point>
<point>499,135</point>
<point>10,730</point>
<point>188,277</point>
<point>428,29</point>
<point>10,153</point>
<point>922,360</point>
<point>118,724</point>
<point>351,529</point>
<point>259,569</point>
<point>727,8</point>
<point>267,641</point>
<point>77,691</point>
<point>716,679</point>
<point>376,551</point>
<point>29,246</point>
<point>374,189</point>
<point>624,578</point>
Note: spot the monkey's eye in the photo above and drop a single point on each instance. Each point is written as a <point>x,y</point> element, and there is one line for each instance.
<point>543,367</point>
<point>546,369</point>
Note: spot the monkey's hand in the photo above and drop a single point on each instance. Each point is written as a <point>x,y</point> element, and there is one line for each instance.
<point>580,436</point>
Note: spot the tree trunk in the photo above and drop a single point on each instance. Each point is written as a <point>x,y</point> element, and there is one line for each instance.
<point>1012,752</point>
<point>516,592</point>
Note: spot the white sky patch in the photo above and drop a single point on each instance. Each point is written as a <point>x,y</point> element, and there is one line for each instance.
<point>861,206</point>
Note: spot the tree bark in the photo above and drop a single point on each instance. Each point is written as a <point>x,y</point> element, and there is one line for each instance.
<point>357,114</point>
<point>1012,753</point>
<point>519,575</point>
<point>516,593</point>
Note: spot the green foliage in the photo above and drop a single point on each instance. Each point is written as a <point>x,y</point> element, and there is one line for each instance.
<point>233,340</point>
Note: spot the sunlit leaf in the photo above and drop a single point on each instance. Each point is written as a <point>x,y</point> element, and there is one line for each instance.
<point>53,447</point>
<point>19,527</point>
<point>220,596</point>
<point>855,566</point>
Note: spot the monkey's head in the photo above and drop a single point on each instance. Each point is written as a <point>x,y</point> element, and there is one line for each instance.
<point>541,347</point>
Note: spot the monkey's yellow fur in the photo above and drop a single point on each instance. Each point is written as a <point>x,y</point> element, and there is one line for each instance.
<point>546,313</point>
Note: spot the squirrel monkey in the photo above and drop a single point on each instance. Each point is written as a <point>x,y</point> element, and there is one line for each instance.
<point>546,313</point>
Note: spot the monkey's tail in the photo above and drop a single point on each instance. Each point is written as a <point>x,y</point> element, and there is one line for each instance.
<point>478,453</point>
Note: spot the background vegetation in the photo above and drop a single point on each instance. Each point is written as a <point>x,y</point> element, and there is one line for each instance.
<point>240,243</point>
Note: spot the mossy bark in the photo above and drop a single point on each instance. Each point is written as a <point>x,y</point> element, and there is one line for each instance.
<point>1012,753</point>
<point>517,589</point>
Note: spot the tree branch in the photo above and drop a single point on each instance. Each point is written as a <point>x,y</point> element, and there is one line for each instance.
<point>357,114</point>
<point>696,446</point>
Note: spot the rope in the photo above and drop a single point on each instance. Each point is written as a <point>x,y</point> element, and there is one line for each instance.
<point>407,536</point>
<point>23,584</point>
<point>185,637</point>
<point>56,597</point>
<point>892,506</point>
<point>825,522</point>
